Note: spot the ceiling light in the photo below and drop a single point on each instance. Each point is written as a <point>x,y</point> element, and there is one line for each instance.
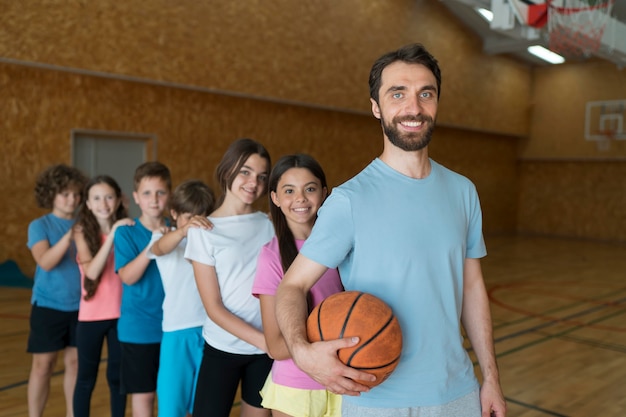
<point>546,54</point>
<point>487,14</point>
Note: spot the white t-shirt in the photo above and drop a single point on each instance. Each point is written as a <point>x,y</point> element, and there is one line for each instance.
<point>182,306</point>
<point>232,247</point>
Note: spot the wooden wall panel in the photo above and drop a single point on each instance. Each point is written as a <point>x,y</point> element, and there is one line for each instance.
<point>312,52</point>
<point>199,74</point>
<point>490,162</point>
<point>560,93</point>
<point>580,199</point>
<point>193,129</point>
<point>569,186</point>
<point>279,49</point>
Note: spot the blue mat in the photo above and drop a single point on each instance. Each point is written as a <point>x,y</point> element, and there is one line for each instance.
<point>12,276</point>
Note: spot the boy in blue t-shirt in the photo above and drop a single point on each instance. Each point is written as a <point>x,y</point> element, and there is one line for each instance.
<point>139,325</point>
<point>56,291</point>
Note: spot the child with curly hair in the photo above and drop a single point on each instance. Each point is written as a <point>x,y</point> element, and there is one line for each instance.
<point>56,291</point>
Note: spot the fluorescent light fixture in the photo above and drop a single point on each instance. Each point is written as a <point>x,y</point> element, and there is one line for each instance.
<point>546,54</point>
<point>486,14</point>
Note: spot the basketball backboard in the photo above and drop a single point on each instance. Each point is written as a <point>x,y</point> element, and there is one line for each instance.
<point>605,120</point>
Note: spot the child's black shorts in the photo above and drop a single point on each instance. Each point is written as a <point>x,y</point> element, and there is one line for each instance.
<point>51,330</point>
<point>139,367</point>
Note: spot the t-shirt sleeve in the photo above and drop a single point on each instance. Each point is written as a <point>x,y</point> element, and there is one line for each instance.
<point>269,272</point>
<point>36,233</point>
<point>155,236</point>
<point>199,247</point>
<point>332,237</point>
<point>475,241</point>
<point>124,247</point>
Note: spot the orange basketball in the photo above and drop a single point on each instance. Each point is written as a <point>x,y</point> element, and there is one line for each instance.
<point>355,313</point>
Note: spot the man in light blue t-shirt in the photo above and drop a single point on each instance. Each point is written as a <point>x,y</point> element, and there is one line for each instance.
<point>409,231</point>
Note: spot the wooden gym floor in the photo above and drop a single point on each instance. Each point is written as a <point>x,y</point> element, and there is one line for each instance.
<point>559,327</point>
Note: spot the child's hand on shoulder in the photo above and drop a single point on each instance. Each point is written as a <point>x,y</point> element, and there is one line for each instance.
<point>69,235</point>
<point>163,230</point>
<point>127,221</point>
<point>199,222</point>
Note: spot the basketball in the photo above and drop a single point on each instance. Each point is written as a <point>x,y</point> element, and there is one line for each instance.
<point>355,313</point>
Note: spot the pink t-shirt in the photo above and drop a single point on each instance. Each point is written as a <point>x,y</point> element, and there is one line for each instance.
<point>105,304</point>
<point>269,273</point>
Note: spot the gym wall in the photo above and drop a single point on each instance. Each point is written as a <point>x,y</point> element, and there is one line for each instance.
<point>569,187</point>
<point>198,75</point>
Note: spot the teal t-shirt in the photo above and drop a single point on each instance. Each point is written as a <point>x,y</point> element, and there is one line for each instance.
<point>58,288</point>
<point>405,240</point>
<point>142,302</point>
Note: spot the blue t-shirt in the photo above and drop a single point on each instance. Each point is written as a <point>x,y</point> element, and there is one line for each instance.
<point>405,240</point>
<point>142,303</point>
<point>58,288</point>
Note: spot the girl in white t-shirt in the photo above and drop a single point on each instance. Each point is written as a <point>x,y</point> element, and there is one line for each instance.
<point>224,264</point>
<point>297,188</point>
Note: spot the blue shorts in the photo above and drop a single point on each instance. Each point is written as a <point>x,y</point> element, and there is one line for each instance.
<point>51,330</point>
<point>181,356</point>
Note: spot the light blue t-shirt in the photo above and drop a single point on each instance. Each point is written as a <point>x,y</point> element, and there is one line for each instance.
<point>405,240</point>
<point>142,303</point>
<point>58,288</point>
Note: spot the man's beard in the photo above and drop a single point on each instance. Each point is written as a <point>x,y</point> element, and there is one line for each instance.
<point>409,141</point>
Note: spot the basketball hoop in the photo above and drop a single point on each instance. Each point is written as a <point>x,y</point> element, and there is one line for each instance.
<point>576,27</point>
<point>604,142</point>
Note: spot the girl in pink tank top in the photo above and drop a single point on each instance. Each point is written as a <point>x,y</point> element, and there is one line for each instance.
<point>99,216</point>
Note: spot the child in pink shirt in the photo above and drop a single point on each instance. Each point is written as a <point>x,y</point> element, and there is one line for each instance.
<point>98,219</point>
<point>297,186</point>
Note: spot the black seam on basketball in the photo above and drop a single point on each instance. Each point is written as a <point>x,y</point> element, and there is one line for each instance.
<point>368,341</point>
<point>319,320</point>
<point>345,322</point>
<point>373,368</point>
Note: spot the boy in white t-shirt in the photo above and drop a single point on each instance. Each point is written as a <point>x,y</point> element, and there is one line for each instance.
<point>183,312</point>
